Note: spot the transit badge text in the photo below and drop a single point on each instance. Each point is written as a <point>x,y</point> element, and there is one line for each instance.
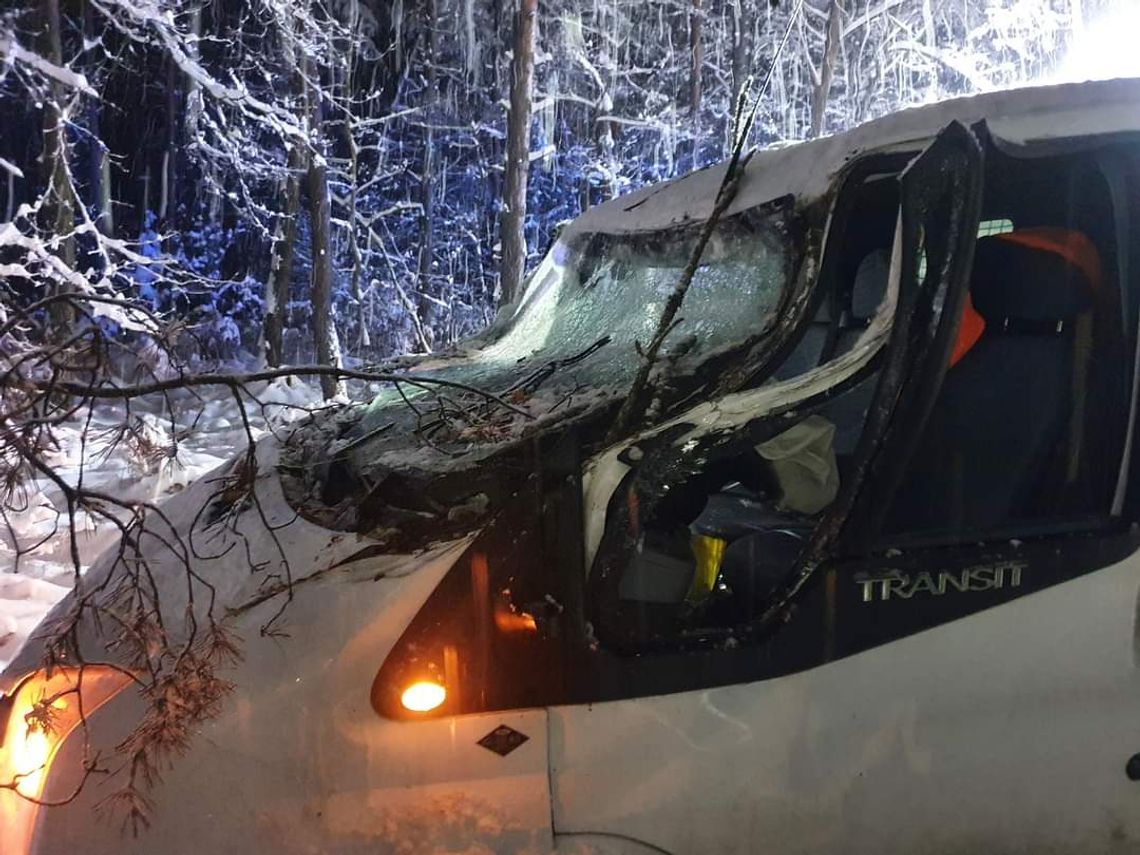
<point>894,584</point>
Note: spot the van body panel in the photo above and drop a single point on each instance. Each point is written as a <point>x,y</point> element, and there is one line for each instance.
<point>1005,731</point>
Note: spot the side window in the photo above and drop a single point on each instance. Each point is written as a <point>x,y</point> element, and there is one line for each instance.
<point>854,281</point>
<point>997,226</point>
<point>1026,431</point>
<point>700,536</point>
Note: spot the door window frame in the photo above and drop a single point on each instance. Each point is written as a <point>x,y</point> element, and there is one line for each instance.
<point>948,173</point>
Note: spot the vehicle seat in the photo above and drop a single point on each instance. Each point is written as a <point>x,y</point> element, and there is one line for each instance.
<point>848,412</point>
<point>867,292</point>
<point>995,444</point>
<point>806,354</point>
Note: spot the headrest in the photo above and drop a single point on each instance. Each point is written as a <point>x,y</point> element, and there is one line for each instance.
<point>1043,274</point>
<point>870,284</point>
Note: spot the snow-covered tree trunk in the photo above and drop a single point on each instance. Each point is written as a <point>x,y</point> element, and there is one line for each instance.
<point>325,339</point>
<point>195,108</point>
<point>741,32</point>
<point>1077,17</point>
<point>928,24</point>
<point>518,153</point>
<point>281,260</point>
<point>363,339</point>
<point>609,24</point>
<point>168,200</point>
<point>696,64</point>
<point>98,157</point>
<point>826,69</point>
<point>58,210</point>
<point>696,59</point>
<point>425,305</point>
<point>101,176</point>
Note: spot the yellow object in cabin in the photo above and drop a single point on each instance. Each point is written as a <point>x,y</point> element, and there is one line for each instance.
<point>708,553</point>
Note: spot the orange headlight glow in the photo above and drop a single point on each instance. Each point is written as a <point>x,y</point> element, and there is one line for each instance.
<point>423,696</point>
<point>32,748</point>
<point>43,711</point>
<point>35,720</point>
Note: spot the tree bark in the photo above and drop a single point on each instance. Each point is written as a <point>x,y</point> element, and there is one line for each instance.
<point>424,305</point>
<point>281,263</point>
<point>99,159</point>
<point>327,346</point>
<point>697,59</point>
<point>278,285</point>
<point>59,207</point>
<point>101,177</point>
<point>513,235</point>
<point>168,205</point>
<point>741,59</point>
<point>826,69</point>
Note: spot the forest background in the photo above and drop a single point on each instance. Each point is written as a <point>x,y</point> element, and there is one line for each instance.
<point>339,182</point>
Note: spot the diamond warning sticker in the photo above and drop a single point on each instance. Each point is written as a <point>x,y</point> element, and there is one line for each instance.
<point>503,740</point>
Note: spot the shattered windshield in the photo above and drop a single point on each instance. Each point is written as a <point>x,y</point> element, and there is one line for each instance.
<point>612,289</point>
<point>592,300</point>
<point>617,286</point>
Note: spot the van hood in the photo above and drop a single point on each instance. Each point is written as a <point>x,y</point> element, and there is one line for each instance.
<point>237,564</point>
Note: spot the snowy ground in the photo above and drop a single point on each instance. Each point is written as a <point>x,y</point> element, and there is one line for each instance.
<point>210,433</point>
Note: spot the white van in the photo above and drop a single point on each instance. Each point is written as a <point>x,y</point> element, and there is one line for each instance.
<point>867,583</point>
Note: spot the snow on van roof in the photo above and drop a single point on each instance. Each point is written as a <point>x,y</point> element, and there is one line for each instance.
<point>808,169</point>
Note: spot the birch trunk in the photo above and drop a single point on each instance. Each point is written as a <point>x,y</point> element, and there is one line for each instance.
<point>424,304</point>
<point>513,235</point>
<point>826,69</point>
<point>696,58</point>
<point>325,341</point>
<point>59,208</point>
<point>281,263</point>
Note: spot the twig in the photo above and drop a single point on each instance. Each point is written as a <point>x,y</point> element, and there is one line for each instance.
<point>187,381</point>
<point>536,378</point>
<point>636,403</point>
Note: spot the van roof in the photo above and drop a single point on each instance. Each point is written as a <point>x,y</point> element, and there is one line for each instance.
<point>808,169</point>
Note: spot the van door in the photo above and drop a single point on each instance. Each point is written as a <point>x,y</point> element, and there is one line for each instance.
<point>762,753</point>
<point>1004,568</point>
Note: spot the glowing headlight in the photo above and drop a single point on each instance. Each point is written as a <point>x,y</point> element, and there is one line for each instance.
<point>30,754</point>
<point>40,716</point>
<point>423,696</point>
